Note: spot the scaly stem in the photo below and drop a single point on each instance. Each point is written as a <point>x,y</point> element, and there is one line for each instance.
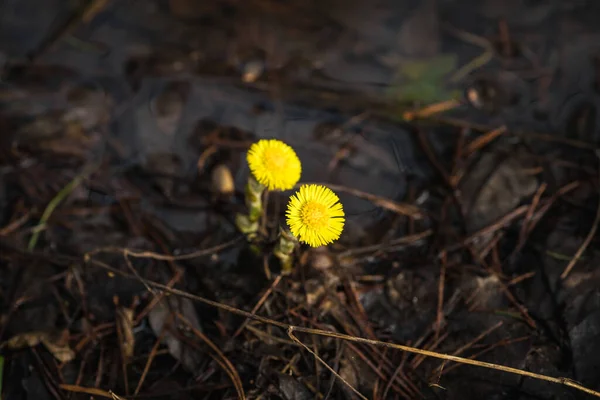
<point>284,249</point>
<point>249,224</point>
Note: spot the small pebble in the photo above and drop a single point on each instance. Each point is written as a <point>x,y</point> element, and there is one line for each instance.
<point>252,70</point>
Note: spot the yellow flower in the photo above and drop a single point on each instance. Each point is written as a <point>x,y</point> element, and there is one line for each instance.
<point>274,164</point>
<point>315,215</point>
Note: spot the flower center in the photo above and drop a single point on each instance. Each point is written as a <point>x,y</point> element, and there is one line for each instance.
<point>314,215</point>
<point>274,160</point>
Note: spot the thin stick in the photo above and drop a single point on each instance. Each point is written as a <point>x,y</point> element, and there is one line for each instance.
<point>483,140</point>
<point>399,208</point>
<point>440,305</point>
<point>561,380</point>
<point>431,110</point>
<point>224,361</point>
<point>547,137</point>
<point>584,245</point>
<point>149,361</point>
<point>86,390</point>
<point>259,304</point>
<point>587,240</point>
<point>164,257</point>
<point>290,332</point>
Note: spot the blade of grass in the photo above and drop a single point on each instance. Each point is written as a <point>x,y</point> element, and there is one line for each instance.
<point>60,196</point>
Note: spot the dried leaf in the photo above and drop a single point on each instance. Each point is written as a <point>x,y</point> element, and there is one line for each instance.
<point>125,331</point>
<point>57,344</point>
<point>21,341</point>
<point>159,318</point>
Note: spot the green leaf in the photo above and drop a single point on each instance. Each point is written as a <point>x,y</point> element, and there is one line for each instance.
<point>423,80</point>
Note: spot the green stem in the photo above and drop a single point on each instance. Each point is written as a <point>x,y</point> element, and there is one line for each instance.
<point>254,192</point>
<point>249,224</point>
<point>60,196</point>
<point>284,249</point>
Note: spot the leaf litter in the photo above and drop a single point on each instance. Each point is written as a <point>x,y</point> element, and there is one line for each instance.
<point>136,283</point>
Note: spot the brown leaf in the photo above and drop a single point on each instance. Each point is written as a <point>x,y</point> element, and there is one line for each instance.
<point>161,316</point>
<point>125,332</point>
<point>55,343</point>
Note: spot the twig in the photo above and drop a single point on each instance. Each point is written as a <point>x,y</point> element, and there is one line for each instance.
<point>390,246</point>
<point>149,361</point>
<point>86,390</point>
<point>527,224</point>
<point>483,140</point>
<point>14,225</point>
<point>536,136</point>
<point>440,306</point>
<point>259,304</point>
<point>164,257</point>
<point>431,110</point>
<point>500,223</point>
<point>397,372</point>
<point>84,15</point>
<point>561,380</point>
<point>224,362</point>
<point>378,371</point>
<point>584,245</point>
<point>290,332</point>
<point>399,208</point>
<point>503,342</point>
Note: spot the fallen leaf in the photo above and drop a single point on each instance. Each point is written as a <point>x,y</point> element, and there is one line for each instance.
<point>161,316</point>
<point>55,343</point>
<point>125,332</point>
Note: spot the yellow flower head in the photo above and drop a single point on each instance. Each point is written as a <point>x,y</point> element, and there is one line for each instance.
<point>274,164</point>
<point>315,215</point>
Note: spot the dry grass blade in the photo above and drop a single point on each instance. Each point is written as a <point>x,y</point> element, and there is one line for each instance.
<point>290,332</point>
<point>87,390</point>
<point>114,396</point>
<point>392,245</point>
<point>400,208</point>
<point>584,245</point>
<point>163,257</point>
<point>149,363</point>
<point>222,360</point>
<point>431,110</point>
<point>60,196</point>
<point>320,332</point>
<point>440,306</point>
<point>85,15</point>
<point>483,140</point>
<point>259,304</point>
<point>546,137</point>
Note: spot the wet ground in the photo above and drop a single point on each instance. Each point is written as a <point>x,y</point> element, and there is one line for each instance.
<point>471,229</point>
